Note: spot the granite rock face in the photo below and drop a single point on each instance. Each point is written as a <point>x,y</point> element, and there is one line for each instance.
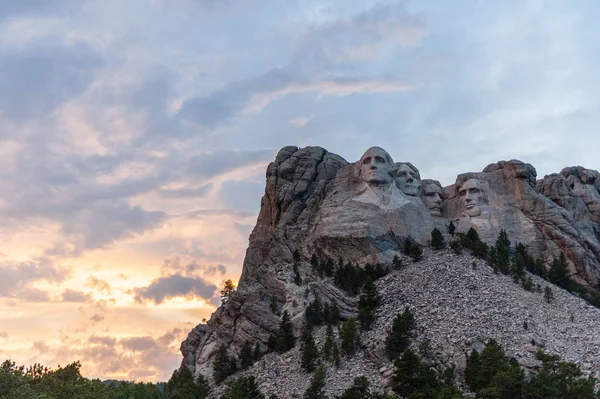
<point>550,216</point>
<point>316,202</point>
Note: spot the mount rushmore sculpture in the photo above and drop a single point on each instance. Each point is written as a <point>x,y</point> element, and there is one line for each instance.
<point>318,204</point>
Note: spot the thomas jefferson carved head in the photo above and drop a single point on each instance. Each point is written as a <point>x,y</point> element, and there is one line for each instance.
<point>473,197</point>
<point>432,196</point>
<point>376,167</point>
<point>408,179</point>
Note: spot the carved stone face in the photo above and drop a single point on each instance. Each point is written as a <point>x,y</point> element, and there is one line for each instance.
<point>432,197</point>
<point>472,197</point>
<point>376,166</point>
<point>408,179</point>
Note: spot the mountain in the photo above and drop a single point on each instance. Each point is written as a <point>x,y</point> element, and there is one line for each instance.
<point>320,212</point>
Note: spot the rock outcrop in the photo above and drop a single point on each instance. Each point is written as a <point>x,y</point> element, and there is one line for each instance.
<point>316,202</point>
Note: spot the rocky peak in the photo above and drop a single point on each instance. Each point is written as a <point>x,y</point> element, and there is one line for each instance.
<point>316,203</point>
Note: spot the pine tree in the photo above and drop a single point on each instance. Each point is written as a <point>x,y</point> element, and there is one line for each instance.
<point>451,229</point>
<point>559,272</point>
<point>309,351</point>
<point>285,336</point>
<point>316,265</point>
<point>437,240</point>
<point>503,252</point>
<point>414,377</point>
<point>396,262</point>
<point>297,278</point>
<point>180,385</point>
<point>397,338</point>
<point>256,353</point>
<point>548,295</point>
<point>228,288</point>
<point>315,389</point>
<point>358,390</point>
<point>328,345</point>
<point>349,337</point>
<point>367,304</point>
<point>221,365</point>
<point>243,388</point>
<point>335,313</point>
<point>246,355</point>
<point>336,355</point>
<point>472,370</point>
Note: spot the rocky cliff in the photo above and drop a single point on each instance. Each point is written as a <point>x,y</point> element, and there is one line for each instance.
<point>317,203</point>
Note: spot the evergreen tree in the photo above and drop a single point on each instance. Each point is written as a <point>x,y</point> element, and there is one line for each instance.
<point>297,278</point>
<point>397,339</point>
<point>358,390</point>
<point>503,252</point>
<point>559,272</point>
<point>451,229</point>
<point>412,249</point>
<point>273,304</point>
<point>256,353</point>
<point>349,337</point>
<point>396,262</point>
<point>309,351</point>
<point>456,246</point>
<point>367,304</point>
<point>228,288</point>
<point>548,295</point>
<point>315,389</point>
<point>335,313</point>
<point>328,345</point>
<point>246,355</point>
<point>221,365</point>
<point>243,388</point>
<point>285,336</point>
<point>316,265</point>
<point>182,385</point>
<point>336,355</point>
<point>437,240</point>
<point>472,370</point>
<point>412,376</point>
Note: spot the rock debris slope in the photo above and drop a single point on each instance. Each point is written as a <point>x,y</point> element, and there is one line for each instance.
<point>457,309</point>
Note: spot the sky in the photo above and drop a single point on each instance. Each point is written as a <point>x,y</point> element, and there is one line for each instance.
<point>134,138</point>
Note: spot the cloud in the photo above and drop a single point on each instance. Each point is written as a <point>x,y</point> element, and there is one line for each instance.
<point>255,94</point>
<point>17,278</point>
<point>40,347</point>
<point>242,194</point>
<point>12,9</point>
<point>214,163</point>
<point>106,222</point>
<point>98,284</point>
<point>198,192</point>
<point>37,80</point>
<point>70,295</point>
<point>97,317</point>
<point>300,121</point>
<point>138,343</point>
<point>361,37</point>
<point>108,341</point>
<point>175,286</point>
<point>192,268</point>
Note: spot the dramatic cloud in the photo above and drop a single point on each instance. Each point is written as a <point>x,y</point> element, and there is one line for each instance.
<point>16,279</point>
<point>123,146</point>
<point>175,286</point>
